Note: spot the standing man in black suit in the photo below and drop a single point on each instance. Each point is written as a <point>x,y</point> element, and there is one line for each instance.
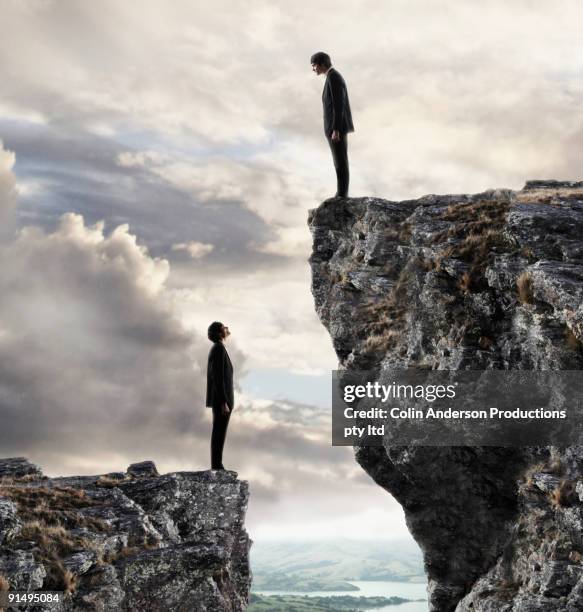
<point>337,117</point>
<point>219,390</point>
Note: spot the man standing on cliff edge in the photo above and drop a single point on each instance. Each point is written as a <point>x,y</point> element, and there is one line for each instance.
<point>337,118</point>
<point>219,390</point>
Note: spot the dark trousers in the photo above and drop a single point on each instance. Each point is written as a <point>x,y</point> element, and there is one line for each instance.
<point>220,424</point>
<point>340,156</point>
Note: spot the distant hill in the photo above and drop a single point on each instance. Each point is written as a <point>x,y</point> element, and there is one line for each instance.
<point>286,603</point>
<point>329,565</point>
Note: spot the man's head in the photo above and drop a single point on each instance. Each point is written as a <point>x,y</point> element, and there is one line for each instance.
<point>217,331</point>
<point>320,62</point>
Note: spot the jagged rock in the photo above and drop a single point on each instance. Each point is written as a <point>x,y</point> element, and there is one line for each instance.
<point>9,523</point>
<point>133,541</point>
<point>18,467</point>
<point>100,591</point>
<point>486,281</point>
<point>183,505</point>
<point>144,468</point>
<point>81,562</point>
<point>121,514</point>
<point>182,578</point>
<point>21,570</point>
<point>546,482</point>
<point>107,544</point>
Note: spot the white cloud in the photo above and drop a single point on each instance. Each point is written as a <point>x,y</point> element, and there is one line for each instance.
<point>339,519</point>
<point>90,333</point>
<point>290,241</point>
<point>7,189</point>
<point>261,187</point>
<point>271,315</point>
<point>196,250</point>
<point>140,159</point>
<point>15,113</point>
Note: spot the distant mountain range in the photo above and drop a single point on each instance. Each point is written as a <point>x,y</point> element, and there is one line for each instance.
<point>329,565</point>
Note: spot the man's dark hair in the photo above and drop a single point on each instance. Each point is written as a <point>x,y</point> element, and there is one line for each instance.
<point>322,59</point>
<point>215,331</point>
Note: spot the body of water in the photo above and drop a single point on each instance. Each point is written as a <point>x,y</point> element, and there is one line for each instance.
<point>375,588</point>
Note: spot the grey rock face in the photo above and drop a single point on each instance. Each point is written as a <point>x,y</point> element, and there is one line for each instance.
<point>144,468</point>
<point>18,467</point>
<point>486,281</point>
<point>9,523</point>
<point>128,541</point>
<point>21,569</point>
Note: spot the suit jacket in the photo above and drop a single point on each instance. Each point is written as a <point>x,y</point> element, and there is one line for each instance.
<point>219,377</point>
<point>337,115</point>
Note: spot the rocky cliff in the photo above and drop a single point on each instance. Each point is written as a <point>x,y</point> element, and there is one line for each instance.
<point>486,281</point>
<point>127,541</point>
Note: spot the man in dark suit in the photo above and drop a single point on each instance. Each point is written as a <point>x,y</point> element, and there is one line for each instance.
<point>219,390</point>
<point>337,118</point>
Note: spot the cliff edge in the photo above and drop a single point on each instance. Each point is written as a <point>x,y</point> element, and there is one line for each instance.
<point>468,282</point>
<point>126,541</point>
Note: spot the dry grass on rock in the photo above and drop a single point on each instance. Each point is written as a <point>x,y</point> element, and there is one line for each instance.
<point>48,515</point>
<point>549,195</point>
<point>525,288</point>
<point>475,234</point>
<point>564,494</point>
<point>4,584</point>
<point>573,343</point>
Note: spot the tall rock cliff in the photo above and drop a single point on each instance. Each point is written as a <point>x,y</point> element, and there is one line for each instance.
<point>127,541</point>
<point>486,281</point>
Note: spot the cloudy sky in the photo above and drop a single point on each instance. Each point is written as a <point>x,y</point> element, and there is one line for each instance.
<point>157,163</point>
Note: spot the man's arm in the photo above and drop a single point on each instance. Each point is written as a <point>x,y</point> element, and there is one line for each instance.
<point>219,361</point>
<point>226,392</point>
<point>337,95</point>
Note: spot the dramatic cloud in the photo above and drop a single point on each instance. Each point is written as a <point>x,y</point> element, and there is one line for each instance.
<point>266,186</point>
<point>93,359</point>
<point>75,172</point>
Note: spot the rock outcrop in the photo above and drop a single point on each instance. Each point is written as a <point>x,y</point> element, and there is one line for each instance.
<point>126,541</point>
<point>486,281</point>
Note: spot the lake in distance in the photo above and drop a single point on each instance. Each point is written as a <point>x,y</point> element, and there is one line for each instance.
<point>408,590</point>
